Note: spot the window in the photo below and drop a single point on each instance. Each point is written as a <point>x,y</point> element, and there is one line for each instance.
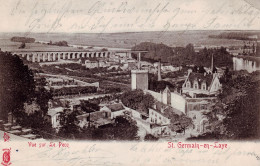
<point>106,114</point>
<point>196,85</point>
<point>203,87</point>
<point>188,84</point>
<point>57,118</point>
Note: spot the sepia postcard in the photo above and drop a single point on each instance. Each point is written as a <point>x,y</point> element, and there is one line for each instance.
<point>135,83</point>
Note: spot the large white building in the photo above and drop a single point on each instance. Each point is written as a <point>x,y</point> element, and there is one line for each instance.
<point>139,79</point>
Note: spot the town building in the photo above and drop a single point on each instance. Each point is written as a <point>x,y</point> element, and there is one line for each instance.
<point>196,109</point>
<point>201,84</point>
<point>54,115</point>
<point>91,64</point>
<point>139,79</point>
<point>173,99</point>
<point>94,119</point>
<point>115,110</point>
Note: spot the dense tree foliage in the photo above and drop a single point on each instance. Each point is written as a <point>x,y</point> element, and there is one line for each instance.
<point>22,45</point>
<point>155,52</point>
<point>73,90</point>
<point>22,39</point>
<point>188,56</point>
<point>124,129</point>
<point>16,84</point>
<point>234,35</point>
<point>59,43</point>
<point>69,124</point>
<point>137,100</point>
<point>159,86</point>
<point>179,123</point>
<point>149,137</point>
<point>236,115</point>
<point>184,55</point>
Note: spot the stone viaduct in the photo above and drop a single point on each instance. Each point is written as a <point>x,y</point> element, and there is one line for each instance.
<point>48,56</point>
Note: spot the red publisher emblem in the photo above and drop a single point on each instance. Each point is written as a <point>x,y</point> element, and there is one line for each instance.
<point>6,157</point>
<point>6,137</point>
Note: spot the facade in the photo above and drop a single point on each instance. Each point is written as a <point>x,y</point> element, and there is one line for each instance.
<point>156,117</point>
<point>159,123</point>
<point>114,109</point>
<point>139,79</point>
<point>91,64</point>
<point>196,107</point>
<point>201,83</point>
<point>172,99</point>
<point>95,119</point>
<point>54,114</point>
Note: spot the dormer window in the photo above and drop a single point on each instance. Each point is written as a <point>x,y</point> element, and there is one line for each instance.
<point>203,86</point>
<point>196,86</point>
<point>188,84</point>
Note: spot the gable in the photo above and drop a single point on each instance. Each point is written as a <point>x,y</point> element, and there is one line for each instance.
<point>215,85</point>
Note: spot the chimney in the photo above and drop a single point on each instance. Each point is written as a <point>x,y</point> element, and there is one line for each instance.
<point>139,60</point>
<point>212,65</point>
<point>189,71</point>
<point>159,71</point>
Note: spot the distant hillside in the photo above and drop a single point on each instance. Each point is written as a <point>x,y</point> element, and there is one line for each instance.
<point>123,40</point>
<point>236,35</point>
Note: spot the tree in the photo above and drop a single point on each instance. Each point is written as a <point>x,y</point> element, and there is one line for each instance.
<point>179,123</point>
<point>16,84</point>
<point>42,97</point>
<point>201,69</point>
<point>124,129</point>
<point>190,50</point>
<point>69,124</point>
<point>155,51</point>
<point>137,100</point>
<point>22,45</point>
<point>149,137</point>
<point>236,114</point>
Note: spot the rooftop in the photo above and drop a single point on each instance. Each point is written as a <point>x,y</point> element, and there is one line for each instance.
<point>116,107</point>
<point>200,77</point>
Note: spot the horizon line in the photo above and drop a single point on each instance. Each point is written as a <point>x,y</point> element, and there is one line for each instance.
<point>135,31</point>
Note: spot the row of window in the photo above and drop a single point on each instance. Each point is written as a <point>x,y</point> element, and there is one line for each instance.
<point>196,85</point>
<point>160,118</point>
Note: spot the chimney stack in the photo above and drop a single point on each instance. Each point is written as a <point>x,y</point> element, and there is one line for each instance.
<point>139,60</point>
<point>159,71</point>
<point>212,61</point>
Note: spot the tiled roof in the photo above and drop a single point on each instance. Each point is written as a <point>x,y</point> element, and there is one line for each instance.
<point>200,77</point>
<point>116,107</point>
<point>160,106</point>
<point>54,111</point>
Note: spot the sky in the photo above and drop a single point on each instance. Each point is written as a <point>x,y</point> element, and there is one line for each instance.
<point>108,16</point>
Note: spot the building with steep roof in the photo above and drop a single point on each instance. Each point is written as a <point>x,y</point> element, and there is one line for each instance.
<point>201,83</point>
